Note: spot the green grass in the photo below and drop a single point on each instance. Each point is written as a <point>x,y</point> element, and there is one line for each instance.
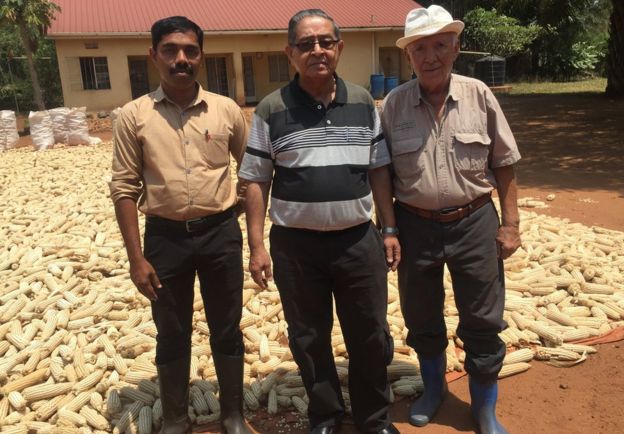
<point>592,85</point>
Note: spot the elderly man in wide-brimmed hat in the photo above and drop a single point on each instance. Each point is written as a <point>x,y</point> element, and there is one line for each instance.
<point>450,146</point>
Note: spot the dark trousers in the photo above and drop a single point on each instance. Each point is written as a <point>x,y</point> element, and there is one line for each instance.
<point>468,248</point>
<point>309,267</point>
<point>215,255</point>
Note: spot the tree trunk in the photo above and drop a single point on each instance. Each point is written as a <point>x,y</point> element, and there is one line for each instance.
<point>34,78</point>
<point>615,56</point>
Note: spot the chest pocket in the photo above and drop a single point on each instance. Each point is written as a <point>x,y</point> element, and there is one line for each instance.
<point>470,151</point>
<point>215,150</point>
<point>406,157</point>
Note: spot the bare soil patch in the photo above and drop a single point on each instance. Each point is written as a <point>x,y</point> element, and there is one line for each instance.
<point>572,146</point>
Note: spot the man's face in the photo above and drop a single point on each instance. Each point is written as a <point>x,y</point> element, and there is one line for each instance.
<point>177,58</point>
<point>316,51</point>
<point>432,59</point>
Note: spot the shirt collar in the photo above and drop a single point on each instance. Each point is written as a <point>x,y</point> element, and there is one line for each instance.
<point>454,91</point>
<point>302,97</point>
<point>202,96</point>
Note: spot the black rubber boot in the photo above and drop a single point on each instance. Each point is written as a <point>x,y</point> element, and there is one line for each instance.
<point>230,375</point>
<point>173,380</point>
<point>483,406</point>
<point>433,373</point>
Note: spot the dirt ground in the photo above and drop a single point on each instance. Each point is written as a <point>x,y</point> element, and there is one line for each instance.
<point>573,147</point>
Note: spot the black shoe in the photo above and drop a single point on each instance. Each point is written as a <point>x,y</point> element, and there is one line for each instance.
<point>324,430</point>
<point>230,376</point>
<point>390,429</point>
<point>173,381</point>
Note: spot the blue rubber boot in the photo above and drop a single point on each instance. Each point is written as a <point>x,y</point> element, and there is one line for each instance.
<point>433,373</point>
<point>483,406</point>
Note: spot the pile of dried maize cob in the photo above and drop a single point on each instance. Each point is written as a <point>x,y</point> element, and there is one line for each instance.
<point>77,340</point>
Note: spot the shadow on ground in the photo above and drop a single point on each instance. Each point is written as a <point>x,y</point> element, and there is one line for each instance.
<point>568,141</point>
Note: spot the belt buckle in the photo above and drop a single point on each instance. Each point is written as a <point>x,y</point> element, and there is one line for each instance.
<point>189,223</point>
<point>446,211</point>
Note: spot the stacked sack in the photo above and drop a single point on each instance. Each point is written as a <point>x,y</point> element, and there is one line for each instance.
<point>60,125</point>
<point>8,130</point>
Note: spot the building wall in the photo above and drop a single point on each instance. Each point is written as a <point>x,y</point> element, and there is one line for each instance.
<point>359,60</point>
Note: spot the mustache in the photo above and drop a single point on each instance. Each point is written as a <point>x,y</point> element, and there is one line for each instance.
<point>181,67</point>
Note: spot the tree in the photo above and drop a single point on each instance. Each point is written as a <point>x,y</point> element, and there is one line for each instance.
<point>32,18</point>
<point>615,57</point>
<point>496,34</point>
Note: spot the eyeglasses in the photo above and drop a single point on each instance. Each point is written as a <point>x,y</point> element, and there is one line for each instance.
<point>325,44</point>
<point>171,51</point>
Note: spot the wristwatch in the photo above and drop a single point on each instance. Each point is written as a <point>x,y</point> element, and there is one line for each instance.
<point>389,230</point>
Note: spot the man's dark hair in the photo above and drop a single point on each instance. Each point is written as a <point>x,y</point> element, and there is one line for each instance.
<point>175,24</point>
<point>294,21</point>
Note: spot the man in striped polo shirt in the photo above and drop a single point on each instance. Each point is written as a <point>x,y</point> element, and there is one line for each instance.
<point>315,141</point>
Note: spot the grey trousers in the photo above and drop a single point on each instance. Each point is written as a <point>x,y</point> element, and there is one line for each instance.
<point>468,248</point>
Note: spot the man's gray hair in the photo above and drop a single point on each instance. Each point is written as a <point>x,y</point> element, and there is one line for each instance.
<point>294,21</point>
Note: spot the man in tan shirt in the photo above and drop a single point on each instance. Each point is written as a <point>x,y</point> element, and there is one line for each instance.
<point>172,152</point>
<point>450,146</point>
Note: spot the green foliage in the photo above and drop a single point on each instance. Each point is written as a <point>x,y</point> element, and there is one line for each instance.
<point>30,20</point>
<point>496,34</point>
<point>47,67</point>
<point>572,42</point>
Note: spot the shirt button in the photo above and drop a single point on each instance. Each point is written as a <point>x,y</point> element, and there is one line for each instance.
<point>188,171</point>
<point>191,202</point>
<point>328,122</point>
<point>319,106</point>
<point>187,141</point>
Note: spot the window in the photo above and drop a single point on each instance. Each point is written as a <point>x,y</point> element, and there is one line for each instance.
<point>278,67</point>
<point>216,69</point>
<point>94,71</point>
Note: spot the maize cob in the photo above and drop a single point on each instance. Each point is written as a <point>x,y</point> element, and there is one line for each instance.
<point>522,355</point>
<point>212,401</point>
<point>45,391</point>
<point>250,399</point>
<point>512,369</point>
<point>145,420</point>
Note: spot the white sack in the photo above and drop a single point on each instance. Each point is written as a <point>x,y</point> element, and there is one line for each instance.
<point>78,128</point>
<point>41,129</point>
<point>59,124</point>
<point>8,130</point>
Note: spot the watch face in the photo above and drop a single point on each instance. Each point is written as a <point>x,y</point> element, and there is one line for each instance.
<point>390,230</point>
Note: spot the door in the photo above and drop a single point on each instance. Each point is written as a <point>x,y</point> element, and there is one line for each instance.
<point>139,83</point>
<point>216,69</point>
<point>248,76</point>
<point>390,61</point>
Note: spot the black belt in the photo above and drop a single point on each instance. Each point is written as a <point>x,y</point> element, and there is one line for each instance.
<point>451,214</point>
<point>196,224</point>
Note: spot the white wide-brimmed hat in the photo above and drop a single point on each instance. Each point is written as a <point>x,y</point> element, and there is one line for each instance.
<point>429,21</point>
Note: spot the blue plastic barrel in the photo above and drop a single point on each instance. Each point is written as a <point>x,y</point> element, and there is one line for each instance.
<point>377,85</point>
<point>390,83</point>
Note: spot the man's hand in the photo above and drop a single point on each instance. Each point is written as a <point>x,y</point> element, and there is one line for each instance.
<point>393,251</point>
<point>260,267</point>
<point>508,239</point>
<point>144,278</point>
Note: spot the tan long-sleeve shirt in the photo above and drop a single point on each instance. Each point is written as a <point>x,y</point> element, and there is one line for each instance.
<point>175,163</point>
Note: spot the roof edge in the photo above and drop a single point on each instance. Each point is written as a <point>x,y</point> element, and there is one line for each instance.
<point>112,35</point>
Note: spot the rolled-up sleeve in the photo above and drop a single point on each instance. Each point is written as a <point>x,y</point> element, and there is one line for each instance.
<point>504,147</point>
<point>127,168</point>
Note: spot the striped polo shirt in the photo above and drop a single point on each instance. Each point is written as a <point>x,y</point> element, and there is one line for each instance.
<point>317,158</point>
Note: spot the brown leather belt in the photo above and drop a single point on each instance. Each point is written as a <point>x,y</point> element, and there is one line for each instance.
<point>448,215</point>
